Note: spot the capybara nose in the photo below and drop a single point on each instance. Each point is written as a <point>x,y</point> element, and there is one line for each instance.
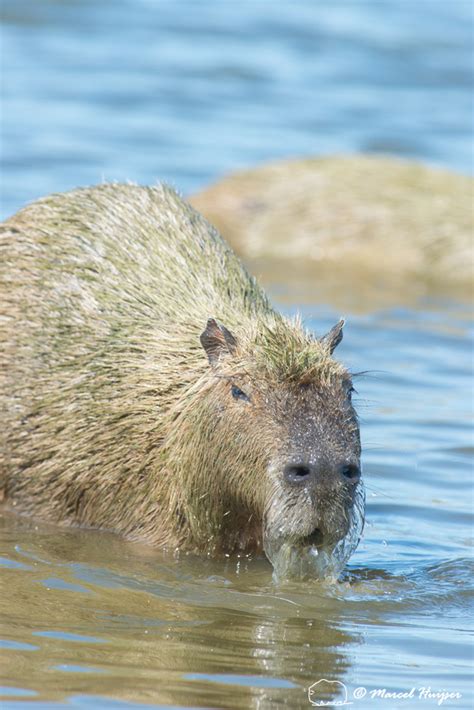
<point>350,472</point>
<point>298,473</point>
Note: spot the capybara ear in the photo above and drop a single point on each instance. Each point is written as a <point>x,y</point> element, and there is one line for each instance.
<point>332,339</point>
<point>216,340</point>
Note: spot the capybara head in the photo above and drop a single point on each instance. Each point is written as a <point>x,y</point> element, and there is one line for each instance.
<point>282,445</point>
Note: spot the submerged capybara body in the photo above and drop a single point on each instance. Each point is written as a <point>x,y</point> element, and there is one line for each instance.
<point>148,387</point>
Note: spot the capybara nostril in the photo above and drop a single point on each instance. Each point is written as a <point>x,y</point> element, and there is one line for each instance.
<point>297,473</point>
<point>350,471</point>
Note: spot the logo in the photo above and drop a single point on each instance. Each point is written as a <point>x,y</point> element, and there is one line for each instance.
<point>328,689</point>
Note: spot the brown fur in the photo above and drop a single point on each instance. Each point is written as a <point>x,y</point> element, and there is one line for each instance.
<point>115,415</point>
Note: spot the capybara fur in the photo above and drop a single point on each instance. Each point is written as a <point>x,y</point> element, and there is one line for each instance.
<point>148,387</point>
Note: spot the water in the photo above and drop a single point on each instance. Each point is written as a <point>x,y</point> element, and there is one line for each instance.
<point>187,91</point>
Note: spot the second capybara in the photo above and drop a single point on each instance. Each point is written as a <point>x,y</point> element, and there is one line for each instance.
<point>148,387</point>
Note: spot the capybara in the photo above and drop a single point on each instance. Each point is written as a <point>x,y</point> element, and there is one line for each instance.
<point>359,232</point>
<point>149,388</point>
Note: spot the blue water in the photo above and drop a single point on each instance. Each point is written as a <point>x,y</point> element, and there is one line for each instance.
<point>186,91</point>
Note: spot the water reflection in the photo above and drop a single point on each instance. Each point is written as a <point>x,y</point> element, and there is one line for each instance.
<point>138,635</point>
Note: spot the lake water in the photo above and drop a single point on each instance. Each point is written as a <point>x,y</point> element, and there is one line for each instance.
<point>186,91</point>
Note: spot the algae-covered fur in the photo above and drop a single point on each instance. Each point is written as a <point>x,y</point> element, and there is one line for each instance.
<point>148,387</point>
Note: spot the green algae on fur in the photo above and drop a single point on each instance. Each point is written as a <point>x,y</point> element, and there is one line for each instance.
<point>128,326</point>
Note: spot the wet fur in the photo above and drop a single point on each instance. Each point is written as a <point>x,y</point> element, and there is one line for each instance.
<point>112,415</point>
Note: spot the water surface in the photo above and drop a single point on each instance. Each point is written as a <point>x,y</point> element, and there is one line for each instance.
<point>186,91</point>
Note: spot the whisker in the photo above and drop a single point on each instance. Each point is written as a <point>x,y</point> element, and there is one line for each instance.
<point>379,491</point>
<point>370,373</point>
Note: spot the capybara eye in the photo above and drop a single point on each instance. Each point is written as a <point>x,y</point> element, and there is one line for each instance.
<point>238,394</point>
